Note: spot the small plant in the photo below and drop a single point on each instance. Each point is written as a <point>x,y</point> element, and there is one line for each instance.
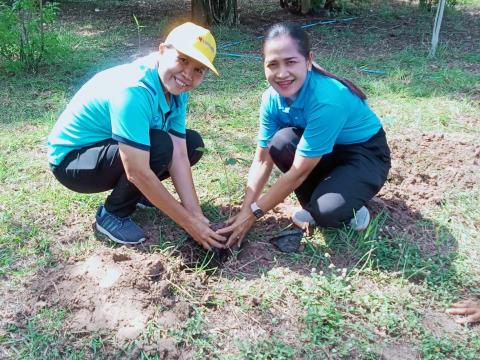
<point>139,28</point>
<point>225,161</point>
<point>27,39</point>
<point>267,349</point>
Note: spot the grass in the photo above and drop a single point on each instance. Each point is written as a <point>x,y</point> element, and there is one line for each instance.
<point>302,305</point>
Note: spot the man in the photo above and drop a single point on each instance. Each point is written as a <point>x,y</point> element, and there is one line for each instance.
<point>125,130</point>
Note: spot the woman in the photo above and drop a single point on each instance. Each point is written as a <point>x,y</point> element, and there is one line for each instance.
<point>320,132</point>
<point>125,131</point>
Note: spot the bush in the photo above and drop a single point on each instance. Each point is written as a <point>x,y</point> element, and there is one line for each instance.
<point>428,4</point>
<point>27,38</point>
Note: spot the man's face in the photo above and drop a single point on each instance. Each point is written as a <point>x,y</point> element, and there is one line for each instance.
<point>178,72</point>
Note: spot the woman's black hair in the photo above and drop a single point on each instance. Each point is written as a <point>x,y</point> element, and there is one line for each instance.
<point>304,47</point>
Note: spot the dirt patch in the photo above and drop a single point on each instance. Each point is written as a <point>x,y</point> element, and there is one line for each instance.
<point>115,291</point>
<point>256,310</point>
<point>425,166</point>
<point>426,169</point>
<point>399,351</point>
<point>440,324</point>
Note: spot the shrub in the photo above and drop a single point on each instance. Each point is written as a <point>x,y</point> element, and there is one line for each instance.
<point>27,38</point>
<point>428,4</point>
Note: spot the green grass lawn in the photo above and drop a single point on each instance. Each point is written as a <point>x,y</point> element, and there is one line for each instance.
<point>378,294</point>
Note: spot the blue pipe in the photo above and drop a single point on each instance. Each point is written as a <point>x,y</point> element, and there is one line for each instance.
<point>377,72</point>
<point>323,22</point>
<point>252,56</point>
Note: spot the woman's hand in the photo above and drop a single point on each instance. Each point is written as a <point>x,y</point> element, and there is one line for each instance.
<point>200,231</point>
<point>470,309</point>
<point>239,226</point>
<point>232,219</point>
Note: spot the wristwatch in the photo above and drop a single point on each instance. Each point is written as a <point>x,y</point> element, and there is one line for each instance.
<point>256,210</point>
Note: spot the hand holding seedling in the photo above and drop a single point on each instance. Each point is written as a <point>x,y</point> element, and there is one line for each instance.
<point>239,225</point>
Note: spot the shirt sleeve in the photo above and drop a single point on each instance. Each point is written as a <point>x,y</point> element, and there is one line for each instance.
<point>324,123</point>
<point>268,122</point>
<point>177,120</point>
<point>130,114</point>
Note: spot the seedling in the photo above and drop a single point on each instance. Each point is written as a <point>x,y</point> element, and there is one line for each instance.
<point>139,27</point>
<point>225,161</point>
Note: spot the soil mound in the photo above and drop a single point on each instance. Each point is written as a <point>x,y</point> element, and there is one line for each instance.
<point>113,290</point>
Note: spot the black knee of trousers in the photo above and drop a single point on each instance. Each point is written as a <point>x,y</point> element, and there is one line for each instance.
<point>283,146</point>
<point>194,141</point>
<point>161,151</point>
<point>330,210</point>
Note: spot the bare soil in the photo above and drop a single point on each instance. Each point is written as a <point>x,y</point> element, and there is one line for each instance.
<point>114,290</point>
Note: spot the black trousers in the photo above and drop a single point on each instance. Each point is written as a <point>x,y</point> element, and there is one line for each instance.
<point>343,181</point>
<point>98,168</point>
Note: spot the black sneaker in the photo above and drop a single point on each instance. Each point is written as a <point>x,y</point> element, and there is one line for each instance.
<point>120,230</point>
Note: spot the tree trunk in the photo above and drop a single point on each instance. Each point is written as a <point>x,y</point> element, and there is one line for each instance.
<point>306,6</point>
<point>199,12</point>
<point>328,5</point>
<point>210,12</point>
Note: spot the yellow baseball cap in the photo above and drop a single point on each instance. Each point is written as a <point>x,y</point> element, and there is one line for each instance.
<point>195,42</point>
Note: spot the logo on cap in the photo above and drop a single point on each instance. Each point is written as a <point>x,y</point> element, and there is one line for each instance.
<point>204,41</point>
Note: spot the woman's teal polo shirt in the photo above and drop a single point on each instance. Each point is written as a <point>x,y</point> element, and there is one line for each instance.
<point>325,108</point>
<point>121,103</point>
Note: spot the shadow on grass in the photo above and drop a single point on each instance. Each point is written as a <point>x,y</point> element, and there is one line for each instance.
<point>399,240</point>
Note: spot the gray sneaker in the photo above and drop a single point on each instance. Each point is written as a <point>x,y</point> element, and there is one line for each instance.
<point>360,220</point>
<point>302,218</point>
<point>120,230</point>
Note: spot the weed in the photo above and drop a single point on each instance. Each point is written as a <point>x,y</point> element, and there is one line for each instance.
<point>445,348</point>
<point>193,334</point>
<point>266,349</point>
<point>139,28</point>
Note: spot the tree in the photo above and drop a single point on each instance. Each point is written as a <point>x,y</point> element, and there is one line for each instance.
<point>210,12</point>
<point>307,6</point>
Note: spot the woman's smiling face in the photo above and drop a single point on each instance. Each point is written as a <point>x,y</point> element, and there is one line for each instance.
<point>285,67</point>
<point>179,72</point>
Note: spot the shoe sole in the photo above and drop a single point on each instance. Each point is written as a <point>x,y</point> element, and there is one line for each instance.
<point>114,239</point>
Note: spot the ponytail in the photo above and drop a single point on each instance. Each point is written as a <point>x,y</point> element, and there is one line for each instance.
<point>351,86</point>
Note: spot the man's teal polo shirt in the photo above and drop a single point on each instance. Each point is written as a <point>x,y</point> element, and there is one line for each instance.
<point>121,103</point>
<point>325,108</point>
